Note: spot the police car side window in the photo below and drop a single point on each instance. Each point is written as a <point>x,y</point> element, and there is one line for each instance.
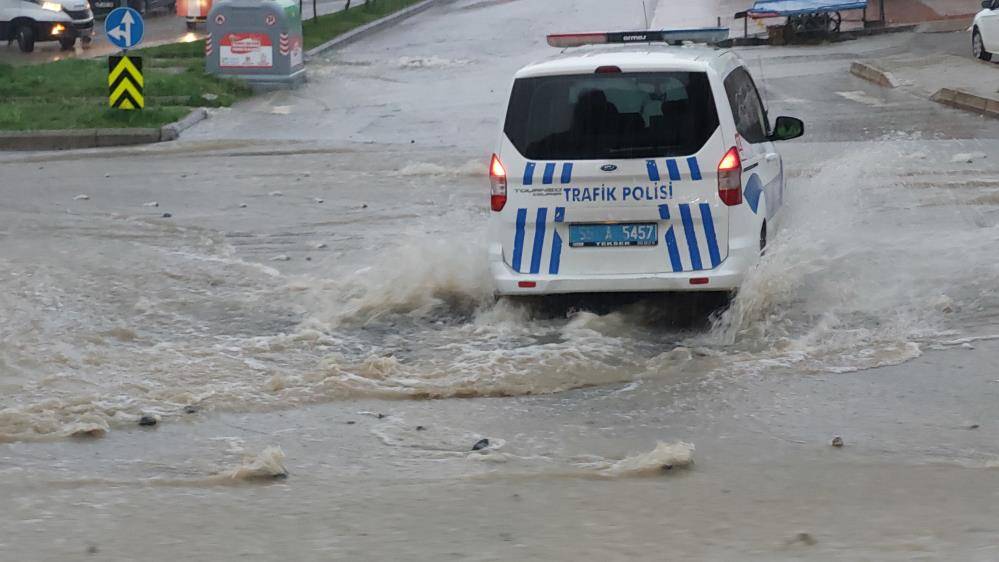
<point>747,109</point>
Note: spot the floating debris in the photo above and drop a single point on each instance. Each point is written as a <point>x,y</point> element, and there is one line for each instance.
<point>968,157</point>
<point>481,444</point>
<point>81,197</point>
<point>148,421</point>
<point>276,194</point>
<point>269,464</point>
<point>837,441</point>
<point>664,458</point>
<point>151,204</point>
<point>803,538</point>
<point>282,257</point>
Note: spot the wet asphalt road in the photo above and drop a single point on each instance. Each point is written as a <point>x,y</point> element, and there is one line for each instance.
<point>323,264</point>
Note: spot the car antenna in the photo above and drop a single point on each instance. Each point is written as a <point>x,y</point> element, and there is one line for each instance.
<point>645,12</point>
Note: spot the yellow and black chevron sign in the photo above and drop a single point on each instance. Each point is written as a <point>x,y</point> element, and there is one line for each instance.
<point>125,82</point>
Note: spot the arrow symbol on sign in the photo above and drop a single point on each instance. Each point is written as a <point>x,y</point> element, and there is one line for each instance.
<point>124,31</point>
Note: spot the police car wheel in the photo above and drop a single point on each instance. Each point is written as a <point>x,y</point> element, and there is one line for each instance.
<point>192,26</point>
<point>67,43</point>
<point>25,38</point>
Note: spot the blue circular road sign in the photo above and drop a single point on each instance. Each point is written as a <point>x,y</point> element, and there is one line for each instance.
<point>124,27</point>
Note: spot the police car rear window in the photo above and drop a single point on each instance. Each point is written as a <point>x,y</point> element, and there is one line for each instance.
<point>611,116</point>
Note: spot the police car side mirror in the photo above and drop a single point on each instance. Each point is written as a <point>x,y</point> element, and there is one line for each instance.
<point>787,128</point>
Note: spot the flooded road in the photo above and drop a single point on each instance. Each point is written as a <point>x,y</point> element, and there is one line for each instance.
<point>300,286</point>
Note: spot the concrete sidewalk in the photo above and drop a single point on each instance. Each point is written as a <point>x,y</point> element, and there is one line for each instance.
<point>938,66</point>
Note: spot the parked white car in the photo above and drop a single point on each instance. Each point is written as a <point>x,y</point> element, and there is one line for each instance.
<point>985,31</point>
<point>31,21</point>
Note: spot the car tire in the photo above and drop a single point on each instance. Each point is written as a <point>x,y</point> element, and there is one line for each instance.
<point>978,47</point>
<point>192,26</point>
<point>25,36</point>
<point>67,43</point>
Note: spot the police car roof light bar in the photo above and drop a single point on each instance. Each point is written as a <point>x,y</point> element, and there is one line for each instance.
<point>708,35</point>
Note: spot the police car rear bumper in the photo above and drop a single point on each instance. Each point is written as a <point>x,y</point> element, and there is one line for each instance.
<point>726,277</point>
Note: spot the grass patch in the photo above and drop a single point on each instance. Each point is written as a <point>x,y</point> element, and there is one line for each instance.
<point>72,94</point>
<point>320,30</point>
<point>192,50</point>
<point>30,115</point>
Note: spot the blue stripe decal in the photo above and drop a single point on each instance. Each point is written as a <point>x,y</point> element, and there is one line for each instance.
<point>567,172</point>
<point>549,173</point>
<point>688,229</point>
<point>556,255</point>
<point>709,232</point>
<point>695,170</point>
<point>539,239</point>
<point>518,239</point>
<point>674,250</point>
<point>664,212</point>
<point>559,214</point>
<point>674,170</point>
<point>653,170</point>
<point>529,173</point>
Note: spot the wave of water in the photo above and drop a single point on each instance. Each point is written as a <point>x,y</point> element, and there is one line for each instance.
<point>882,253</point>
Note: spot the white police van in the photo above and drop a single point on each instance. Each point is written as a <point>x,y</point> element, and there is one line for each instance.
<point>634,163</point>
<point>30,21</point>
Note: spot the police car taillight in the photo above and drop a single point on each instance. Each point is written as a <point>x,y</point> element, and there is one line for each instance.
<point>566,40</point>
<point>497,180</point>
<point>730,178</point>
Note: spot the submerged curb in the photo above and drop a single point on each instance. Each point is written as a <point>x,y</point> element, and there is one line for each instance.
<point>373,27</point>
<point>98,138</point>
<point>874,74</point>
<point>967,101</point>
<point>172,131</point>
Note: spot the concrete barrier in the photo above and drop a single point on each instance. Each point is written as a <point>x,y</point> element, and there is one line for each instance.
<point>874,74</point>
<point>967,101</point>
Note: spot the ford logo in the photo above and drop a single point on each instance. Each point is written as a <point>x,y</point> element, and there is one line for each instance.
<point>608,168</point>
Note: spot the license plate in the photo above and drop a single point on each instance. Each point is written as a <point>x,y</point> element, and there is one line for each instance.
<point>613,235</point>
